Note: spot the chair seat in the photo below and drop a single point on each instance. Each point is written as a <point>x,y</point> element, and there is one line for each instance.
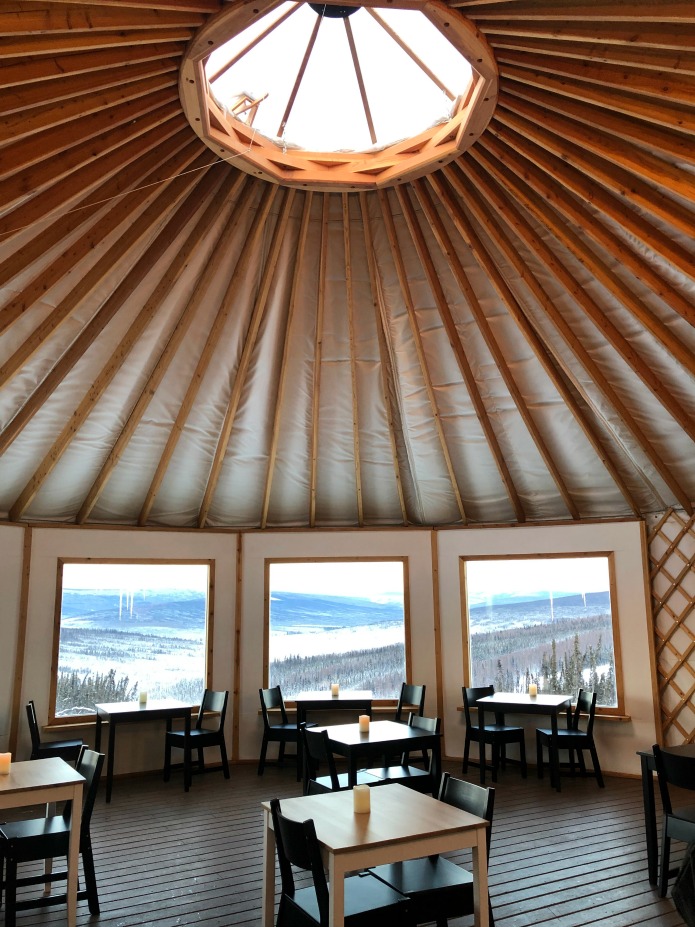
<point>428,880</point>
<point>565,737</point>
<point>200,737</point>
<point>499,730</point>
<point>411,776</point>
<point>50,836</point>
<point>368,901</point>
<point>323,783</point>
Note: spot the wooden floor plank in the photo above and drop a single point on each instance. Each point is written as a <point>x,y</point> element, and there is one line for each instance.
<point>166,858</point>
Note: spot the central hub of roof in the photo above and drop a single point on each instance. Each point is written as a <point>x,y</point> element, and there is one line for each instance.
<point>335,96</point>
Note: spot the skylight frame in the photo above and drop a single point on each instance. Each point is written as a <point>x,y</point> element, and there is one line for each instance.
<point>393,163</point>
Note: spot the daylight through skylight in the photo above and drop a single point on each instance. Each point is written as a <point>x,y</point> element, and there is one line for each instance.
<point>325,82</point>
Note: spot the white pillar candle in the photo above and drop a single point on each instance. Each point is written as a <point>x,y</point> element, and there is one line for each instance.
<point>5,763</point>
<point>335,688</point>
<point>364,724</point>
<point>143,697</point>
<point>533,690</point>
<point>360,799</point>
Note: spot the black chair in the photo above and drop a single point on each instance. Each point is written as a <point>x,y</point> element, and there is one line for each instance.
<point>437,887</point>
<point>573,739</point>
<point>410,695</point>
<point>424,780</point>
<point>198,738</point>
<point>316,751</point>
<point>498,735</point>
<point>48,837</point>
<point>369,902</point>
<point>284,733</point>
<point>68,750</point>
<point>678,823</point>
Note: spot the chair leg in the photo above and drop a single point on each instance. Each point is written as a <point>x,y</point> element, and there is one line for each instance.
<point>225,761</point>
<point>597,768</point>
<point>201,760</point>
<point>10,892</point>
<point>665,860</point>
<point>482,749</point>
<point>466,752</point>
<point>261,759</point>
<point>539,756</point>
<point>495,760</point>
<point>187,767</point>
<point>90,878</point>
<point>522,757</point>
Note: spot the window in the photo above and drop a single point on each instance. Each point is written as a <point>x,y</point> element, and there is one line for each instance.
<point>124,627</point>
<point>336,621</point>
<point>547,619</point>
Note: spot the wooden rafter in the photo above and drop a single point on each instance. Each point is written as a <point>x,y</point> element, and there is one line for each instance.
<point>201,194</point>
<point>345,206</point>
<point>212,341</point>
<point>227,195</point>
<point>250,338</point>
<point>282,379</point>
<point>419,347</point>
<point>450,326</point>
<point>387,365</point>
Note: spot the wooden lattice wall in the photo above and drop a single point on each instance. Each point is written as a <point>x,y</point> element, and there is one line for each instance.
<point>672,582</point>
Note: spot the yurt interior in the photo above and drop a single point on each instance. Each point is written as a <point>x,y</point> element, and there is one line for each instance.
<point>349,345</point>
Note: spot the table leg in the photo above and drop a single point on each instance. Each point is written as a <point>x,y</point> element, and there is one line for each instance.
<point>268,900</point>
<point>336,899</point>
<point>481,904</point>
<point>649,819</point>
<point>74,855</point>
<point>109,761</point>
<point>97,736</point>
<point>352,769</point>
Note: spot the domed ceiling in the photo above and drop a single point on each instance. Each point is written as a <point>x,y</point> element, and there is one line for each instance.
<point>508,337</point>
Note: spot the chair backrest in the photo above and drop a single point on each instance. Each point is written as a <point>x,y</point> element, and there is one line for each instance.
<point>475,799</point>
<point>297,845</point>
<point>673,769</point>
<point>316,750</point>
<point>432,726</point>
<point>89,764</point>
<point>33,730</point>
<point>272,698</point>
<point>213,701</point>
<point>470,697</point>
<point>586,705</point>
<point>410,695</point>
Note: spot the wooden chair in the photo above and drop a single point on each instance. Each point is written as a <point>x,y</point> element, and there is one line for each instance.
<point>68,750</point>
<point>48,837</point>
<point>678,823</point>
<point>572,739</point>
<point>368,901</point>
<point>198,738</point>
<point>283,733</point>
<point>410,695</point>
<point>316,751</point>
<point>424,780</point>
<point>438,888</point>
<point>498,735</point>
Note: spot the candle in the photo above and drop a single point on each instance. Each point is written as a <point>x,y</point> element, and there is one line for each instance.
<point>364,724</point>
<point>6,762</point>
<point>360,799</point>
<point>335,688</point>
<point>143,698</point>
<point>533,690</point>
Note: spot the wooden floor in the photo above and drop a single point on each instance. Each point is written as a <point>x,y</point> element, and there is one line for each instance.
<point>165,858</point>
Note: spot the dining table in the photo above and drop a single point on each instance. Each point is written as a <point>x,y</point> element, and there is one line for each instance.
<point>648,768</point>
<point>401,824</point>
<point>383,738</point>
<point>114,713</point>
<point>39,782</point>
<point>523,703</point>
<point>359,700</point>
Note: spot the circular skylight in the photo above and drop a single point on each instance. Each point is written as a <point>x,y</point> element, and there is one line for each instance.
<point>379,89</point>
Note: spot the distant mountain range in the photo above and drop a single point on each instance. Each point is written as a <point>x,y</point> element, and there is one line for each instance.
<point>325,612</point>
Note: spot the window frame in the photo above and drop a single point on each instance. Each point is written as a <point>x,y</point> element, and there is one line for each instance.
<point>609,711</point>
<point>53,720</point>
<point>268,561</point>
